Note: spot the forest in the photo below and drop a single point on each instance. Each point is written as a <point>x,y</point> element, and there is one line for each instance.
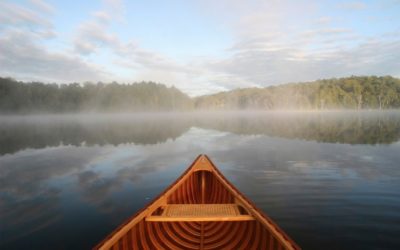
<point>23,97</point>
<point>355,92</point>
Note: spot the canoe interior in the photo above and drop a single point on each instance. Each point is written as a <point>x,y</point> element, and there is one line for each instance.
<point>242,226</point>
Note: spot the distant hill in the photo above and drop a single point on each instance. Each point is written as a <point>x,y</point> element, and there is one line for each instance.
<point>356,92</point>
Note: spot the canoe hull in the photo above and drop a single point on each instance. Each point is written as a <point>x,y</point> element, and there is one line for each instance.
<point>200,210</point>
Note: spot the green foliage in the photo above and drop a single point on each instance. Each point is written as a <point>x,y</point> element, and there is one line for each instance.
<point>355,92</point>
<point>38,97</point>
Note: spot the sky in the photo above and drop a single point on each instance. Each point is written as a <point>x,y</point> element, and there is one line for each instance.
<point>200,47</point>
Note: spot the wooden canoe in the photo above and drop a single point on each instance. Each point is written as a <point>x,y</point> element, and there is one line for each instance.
<point>200,210</point>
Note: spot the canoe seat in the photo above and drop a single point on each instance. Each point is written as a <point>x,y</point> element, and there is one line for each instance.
<point>200,212</point>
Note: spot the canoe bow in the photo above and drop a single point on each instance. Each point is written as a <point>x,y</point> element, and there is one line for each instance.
<point>200,210</point>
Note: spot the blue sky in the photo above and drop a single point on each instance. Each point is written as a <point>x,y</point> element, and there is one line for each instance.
<point>200,47</point>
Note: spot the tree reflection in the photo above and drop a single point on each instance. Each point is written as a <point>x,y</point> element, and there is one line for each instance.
<point>330,127</point>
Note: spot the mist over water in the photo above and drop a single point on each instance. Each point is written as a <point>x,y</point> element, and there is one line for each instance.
<point>329,179</point>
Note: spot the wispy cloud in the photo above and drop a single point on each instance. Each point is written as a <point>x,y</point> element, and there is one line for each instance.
<point>95,34</point>
<point>20,56</point>
<point>323,20</point>
<point>353,5</point>
<point>92,35</point>
<point>43,6</point>
<point>12,14</point>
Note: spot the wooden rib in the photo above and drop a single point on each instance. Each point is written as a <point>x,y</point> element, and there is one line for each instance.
<point>225,237</point>
<point>265,237</point>
<point>209,225</point>
<point>271,242</point>
<point>202,236</point>
<point>186,227</point>
<point>143,238</point>
<point>194,225</point>
<point>215,228</point>
<point>135,239</point>
<point>179,239</point>
<point>154,238</point>
<point>161,233</point>
<point>193,189</point>
<point>250,234</point>
<point>186,234</point>
<point>125,242</point>
<point>130,242</point>
<point>245,242</point>
<point>236,237</point>
<point>167,234</point>
<point>257,237</point>
<point>223,229</point>
<point>210,241</point>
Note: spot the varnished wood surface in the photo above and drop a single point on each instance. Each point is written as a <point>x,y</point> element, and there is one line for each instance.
<point>220,218</point>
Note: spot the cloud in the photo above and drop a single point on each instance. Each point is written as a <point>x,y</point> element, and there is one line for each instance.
<point>92,35</point>
<point>95,33</point>
<point>16,15</point>
<point>43,6</point>
<point>352,6</point>
<point>275,43</point>
<point>22,58</point>
<point>324,20</point>
<point>265,66</point>
<point>46,163</point>
<point>25,56</point>
<point>115,6</point>
<point>102,16</point>
<point>326,32</point>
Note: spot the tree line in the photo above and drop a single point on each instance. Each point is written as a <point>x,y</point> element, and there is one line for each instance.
<point>355,92</point>
<point>16,96</point>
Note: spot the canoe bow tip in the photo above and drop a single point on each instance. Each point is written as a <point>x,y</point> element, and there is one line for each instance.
<point>202,162</point>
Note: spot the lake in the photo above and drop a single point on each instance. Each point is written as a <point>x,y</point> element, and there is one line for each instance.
<point>331,180</point>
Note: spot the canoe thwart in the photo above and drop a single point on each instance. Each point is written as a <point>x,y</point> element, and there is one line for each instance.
<point>201,212</point>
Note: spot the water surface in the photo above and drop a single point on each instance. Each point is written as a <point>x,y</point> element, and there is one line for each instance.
<point>330,180</point>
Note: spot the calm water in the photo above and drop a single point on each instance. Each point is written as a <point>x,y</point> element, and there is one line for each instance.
<point>330,180</point>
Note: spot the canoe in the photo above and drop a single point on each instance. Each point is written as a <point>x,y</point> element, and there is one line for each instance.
<point>200,210</point>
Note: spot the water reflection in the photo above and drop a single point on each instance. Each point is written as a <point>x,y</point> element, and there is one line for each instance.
<point>83,177</point>
<point>18,133</point>
<point>332,127</point>
<point>27,202</point>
